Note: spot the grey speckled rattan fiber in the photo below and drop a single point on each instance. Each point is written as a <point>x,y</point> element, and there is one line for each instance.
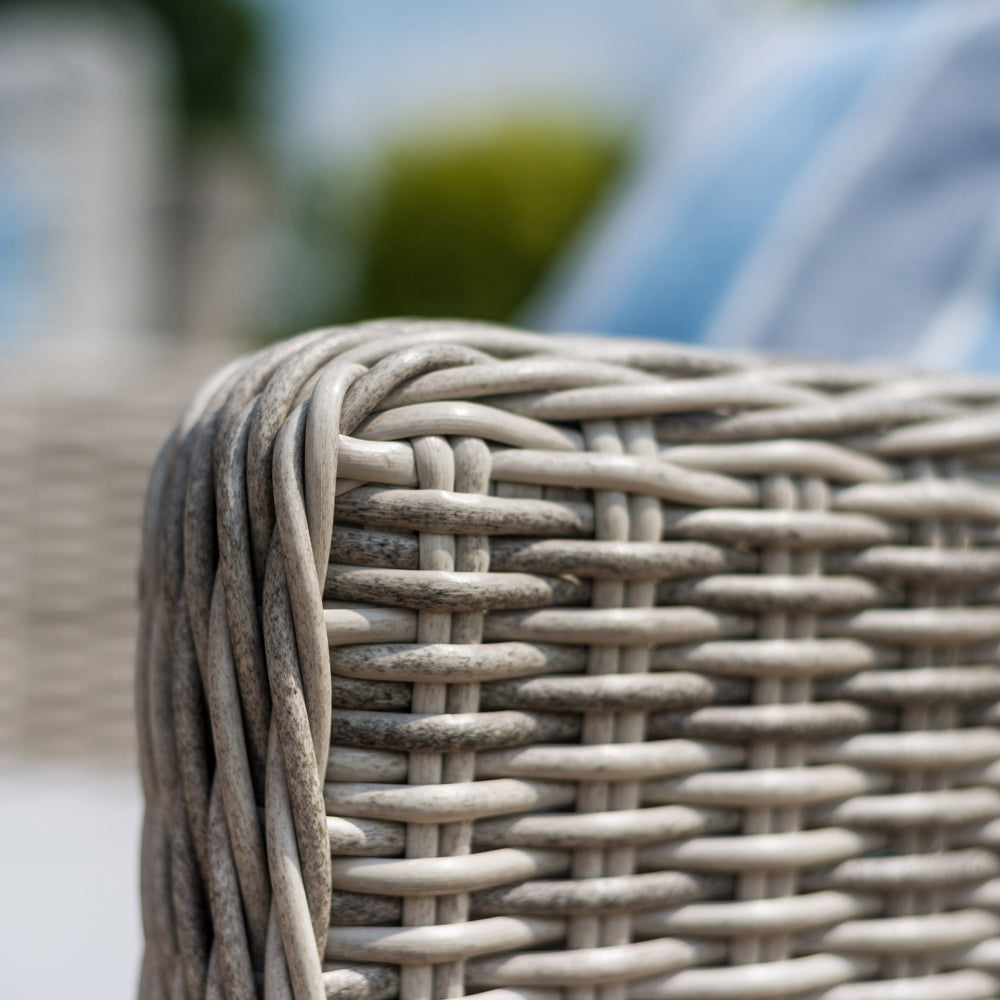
<point>474,662</point>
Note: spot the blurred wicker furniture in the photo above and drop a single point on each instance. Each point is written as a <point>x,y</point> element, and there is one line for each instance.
<point>77,441</point>
<point>477,662</point>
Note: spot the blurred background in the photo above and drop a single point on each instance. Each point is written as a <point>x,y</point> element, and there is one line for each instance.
<point>181,180</point>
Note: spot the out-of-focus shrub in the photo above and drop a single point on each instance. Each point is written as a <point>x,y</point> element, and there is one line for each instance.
<point>466,225</point>
<point>459,222</point>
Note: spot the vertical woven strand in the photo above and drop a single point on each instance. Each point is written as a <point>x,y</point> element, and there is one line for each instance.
<point>611,523</point>
<point>646,525</point>
<point>811,493</point>
<point>945,714</point>
<point>777,492</point>
<point>920,716</point>
<point>472,555</point>
<point>435,471</point>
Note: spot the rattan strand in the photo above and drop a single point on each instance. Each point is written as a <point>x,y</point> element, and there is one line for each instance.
<point>475,663</point>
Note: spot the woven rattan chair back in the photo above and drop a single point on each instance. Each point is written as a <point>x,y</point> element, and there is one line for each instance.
<point>479,662</point>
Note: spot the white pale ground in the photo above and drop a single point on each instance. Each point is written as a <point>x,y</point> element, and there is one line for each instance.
<point>69,881</point>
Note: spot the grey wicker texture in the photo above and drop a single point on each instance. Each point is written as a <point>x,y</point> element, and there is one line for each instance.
<point>480,663</point>
<point>76,445</point>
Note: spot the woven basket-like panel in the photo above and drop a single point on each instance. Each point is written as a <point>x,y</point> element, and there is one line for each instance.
<point>474,661</point>
<point>76,444</point>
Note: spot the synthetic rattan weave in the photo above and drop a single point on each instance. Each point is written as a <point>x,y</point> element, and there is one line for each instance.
<point>474,661</point>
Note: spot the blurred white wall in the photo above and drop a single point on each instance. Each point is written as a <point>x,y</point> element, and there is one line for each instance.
<point>82,129</point>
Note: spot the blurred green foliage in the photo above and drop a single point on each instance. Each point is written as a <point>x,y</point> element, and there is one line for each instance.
<point>466,223</point>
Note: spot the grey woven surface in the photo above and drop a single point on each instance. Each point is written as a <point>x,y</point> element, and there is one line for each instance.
<point>475,662</point>
<point>77,442</point>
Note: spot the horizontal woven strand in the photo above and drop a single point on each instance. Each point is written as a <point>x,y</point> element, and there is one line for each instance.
<point>390,463</point>
<point>364,909</point>
<point>618,828</point>
<point>614,893</point>
<point>359,764</point>
<point>613,560</point>
<point>947,626</point>
<point>618,895</point>
<point>528,374</point>
<point>763,851</point>
<point>793,529</point>
<point>927,932</point>
<point>966,985</point>
<point>775,657</point>
<point>934,749</point>
<point>382,338</point>
<point>434,876</point>
<point>654,398</point>
<point>614,626</point>
<point>785,914</point>
<point>981,430</point>
<point>917,563</point>
<point>431,662</point>
<point>464,800</point>
<point>440,943</point>
<point>824,420</point>
<point>366,546</point>
<point>778,786</point>
<point>791,457</point>
<point>950,868</point>
<point>612,762</point>
<point>348,626</point>
<point>469,420</point>
<point>628,473</point>
<point>791,977</point>
<point>467,731</point>
<point>738,723</point>
<point>462,514</point>
<point>665,359</point>
<point>919,500</point>
<point>387,373</point>
<point>361,982</point>
<point>958,386</point>
<point>905,810</point>
<point>364,837</point>
<point>431,590</point>
<point>982,955</point>
<point>976,683</point>
<point>591,965</point>
<point>388,696</point>
<point>777,593</point>
<point>679,689</point>
<point>597,559</point>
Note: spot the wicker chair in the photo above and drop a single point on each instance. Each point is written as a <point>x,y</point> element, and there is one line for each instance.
<point>474,662</point>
